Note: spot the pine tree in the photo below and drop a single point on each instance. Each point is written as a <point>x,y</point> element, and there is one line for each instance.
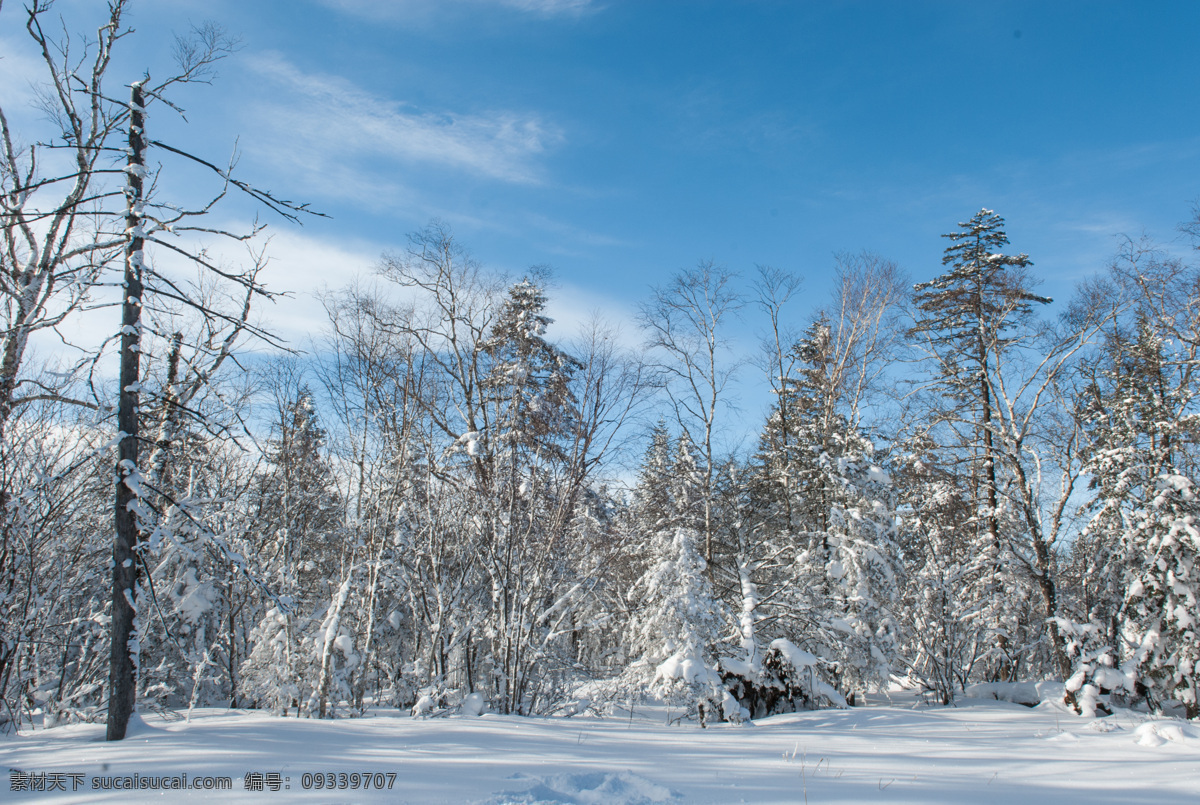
<point>1162,618</point>
<point>1145,519</point>
<point>529,379</point>
<point>298,497</point>
<point>299,512</point>
<point>527,490</point>
<point>945,637</point>
<point>966,315</point>
<point>673,636</point>
<point>652,497</point>
<point>841,525</point>
<point>863,568</point>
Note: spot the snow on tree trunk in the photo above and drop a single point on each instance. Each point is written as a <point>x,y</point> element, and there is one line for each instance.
<point>332,638</point>
<point>123,673</point>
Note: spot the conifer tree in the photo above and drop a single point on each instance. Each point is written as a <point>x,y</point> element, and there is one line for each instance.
<point>299,506</point>
<point>675,633</point>
<point>817,480</point>
<point>966,315</point>
<point>529,378</point>
<point>527,492</point>
<point>944,638</point>
<point>863,568</point>
<point>1146,518</point>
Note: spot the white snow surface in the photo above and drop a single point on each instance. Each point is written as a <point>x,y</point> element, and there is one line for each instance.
<point>1026,693</point>
<point>982,751</point>
<point>732,665</point>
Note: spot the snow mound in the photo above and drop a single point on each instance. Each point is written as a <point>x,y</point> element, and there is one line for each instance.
<point>474,704</point>
<point>1068,737</point>
<point>1025,693</point>
<point>1100,725</point>
<point>589,788</point>
<point>138,726</point>
<point>424,706</point>
<point>1157,733</point>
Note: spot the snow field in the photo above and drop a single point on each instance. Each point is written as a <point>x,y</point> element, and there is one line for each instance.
<point>982,751</point>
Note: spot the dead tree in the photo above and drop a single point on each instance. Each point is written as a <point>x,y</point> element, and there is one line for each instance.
<point>61,237</point>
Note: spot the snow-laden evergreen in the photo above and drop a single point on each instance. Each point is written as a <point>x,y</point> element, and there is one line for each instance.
<point>968,323</point>
<point>1146,519</point>
<point>829,507</point>
<point>674,629</point>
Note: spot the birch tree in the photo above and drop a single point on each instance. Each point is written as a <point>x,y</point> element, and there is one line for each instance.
<point>686,323</point>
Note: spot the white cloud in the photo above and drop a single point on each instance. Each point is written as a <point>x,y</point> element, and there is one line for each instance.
<point>20,69</point>
<point>300,266</point>
<point>303,266</point>
<point>329,127</point>
<point>574,309</point>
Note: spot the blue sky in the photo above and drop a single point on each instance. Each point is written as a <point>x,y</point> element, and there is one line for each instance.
<point>620,140</point>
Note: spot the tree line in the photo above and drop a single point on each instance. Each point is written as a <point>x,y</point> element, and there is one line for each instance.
<point>956,481</point>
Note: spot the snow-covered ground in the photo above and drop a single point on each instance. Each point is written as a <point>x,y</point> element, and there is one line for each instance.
<point>978,752</point>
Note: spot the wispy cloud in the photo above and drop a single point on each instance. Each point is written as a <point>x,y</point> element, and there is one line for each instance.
<point>577,235</point>
<point>20,70</point>
<point>574,309</point>
<point>304,266</point>
<point>330,128</point>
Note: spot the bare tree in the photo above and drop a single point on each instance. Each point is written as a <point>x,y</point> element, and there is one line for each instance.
<point>686,325</point>
<point>612,387</point>
<point>868,301</point>
<point>773,290</point>
<point>61,233</point>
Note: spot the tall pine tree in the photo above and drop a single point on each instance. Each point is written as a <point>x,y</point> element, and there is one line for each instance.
<point>966,316</point>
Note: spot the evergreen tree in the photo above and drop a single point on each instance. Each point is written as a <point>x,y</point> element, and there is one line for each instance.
<point>828,505</point>
<point>529,495</point>
<point>529,379</point>
<point>300,517</point>
<point>945,635</point>
<point>863,568</point>
<point>967,315</point>
<point>1145,519</point>
<point>1162,618</point>
<point>673,636</point>
<point>652,497</point>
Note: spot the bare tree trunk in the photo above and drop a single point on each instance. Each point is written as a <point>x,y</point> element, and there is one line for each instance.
<point>231,652</point>
<point>168,426</point>
<point>360,684</point>
<point>989,456</point>
<point>122,679</point>
<point>989,469</point>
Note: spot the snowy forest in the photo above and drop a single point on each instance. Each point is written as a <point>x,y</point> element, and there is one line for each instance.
<point>447,501</point>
